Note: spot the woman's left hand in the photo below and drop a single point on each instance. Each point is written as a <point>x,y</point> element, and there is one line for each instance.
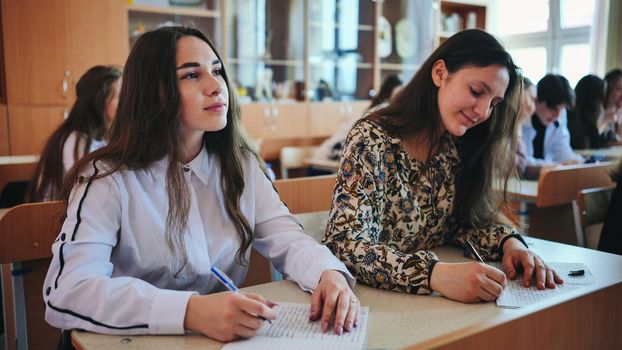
<point>333,296</point>
<point>516,255</point>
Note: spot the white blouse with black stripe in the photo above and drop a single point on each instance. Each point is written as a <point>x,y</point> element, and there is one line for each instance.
<point>110,272</point>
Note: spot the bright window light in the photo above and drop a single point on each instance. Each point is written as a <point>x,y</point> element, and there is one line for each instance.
<point>575,62</point>
<point>577,13</point>
<point>526,16</point>
<point>532,60</point>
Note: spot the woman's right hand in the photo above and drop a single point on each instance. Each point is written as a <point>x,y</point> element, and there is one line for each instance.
<point>227,316</point>
<point>467,282</point>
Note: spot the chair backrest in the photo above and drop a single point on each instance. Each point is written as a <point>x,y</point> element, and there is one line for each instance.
<point>22,171</point>
<point>27,232</point>
<point>590,208</point>
<point>561,184</point>
<point>294,157</point>
<point>307,194</point>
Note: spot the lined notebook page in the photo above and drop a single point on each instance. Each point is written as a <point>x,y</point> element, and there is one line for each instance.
<point>515,295</point>
<point>292,329</point>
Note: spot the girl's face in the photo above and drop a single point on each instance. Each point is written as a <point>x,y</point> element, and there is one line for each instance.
<point>204,94</point>
<point>112,102</point>
<point>466,97</point>
<point>528,103</point>
<point>615,96</point>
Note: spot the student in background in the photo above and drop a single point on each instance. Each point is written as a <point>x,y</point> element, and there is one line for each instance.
<point>547,137</point>
<point>611,234</point>
<point>331,148</point>
<point>85,130</point>
<point>613,98</point>
<point>527,167</point>
<point>177,190</point>
<point>589,125</point>
<point>418,174</point>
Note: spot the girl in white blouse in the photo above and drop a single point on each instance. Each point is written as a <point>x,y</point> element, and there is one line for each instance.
<point>85,130</point>
<point>176,191</point>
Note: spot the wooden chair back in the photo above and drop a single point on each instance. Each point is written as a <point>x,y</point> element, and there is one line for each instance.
<point>22,171</point>
<point>590,208</point>
<point>307,194</point>
<point>292,157</point>
<point>561,184</point>
<point>27,232</point>
<point>301,195</point>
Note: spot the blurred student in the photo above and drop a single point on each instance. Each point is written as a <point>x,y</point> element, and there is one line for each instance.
<point>177,190</point>
<point>84,131</point>
<point>546,136</point>
<point>527,167</point>
<point>611,234</point>
<point>589,125</point>
<point>613,99</point>
<point>419,173</point>
<point>331,148</point>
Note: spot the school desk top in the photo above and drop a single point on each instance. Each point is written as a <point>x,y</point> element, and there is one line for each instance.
<point>583,318</point>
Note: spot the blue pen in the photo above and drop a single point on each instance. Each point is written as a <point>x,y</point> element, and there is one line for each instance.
<point>224,279</point>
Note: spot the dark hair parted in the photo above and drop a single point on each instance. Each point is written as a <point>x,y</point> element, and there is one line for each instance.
<point>147,129</point>
<point>582,120</point>
<point>87,119</point>
<point>386,89</point>
<point>610,79</point>
<point>554,90</point>
<point>486,150</point>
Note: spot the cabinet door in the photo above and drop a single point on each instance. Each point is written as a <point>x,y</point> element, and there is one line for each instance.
<point>97,35</point>
<point>31,126</point>
<point>325,118</point>
<point>35,51</point>
<point>256,118</point>
<point>289,121</point>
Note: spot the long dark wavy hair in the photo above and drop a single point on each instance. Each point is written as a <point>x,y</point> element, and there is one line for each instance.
<point>582,120</point>
<point>147,129</point>
<point>486,150</point>
<point>86,118</point>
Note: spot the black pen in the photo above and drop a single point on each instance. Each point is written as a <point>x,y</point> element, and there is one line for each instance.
<point>471,247</point>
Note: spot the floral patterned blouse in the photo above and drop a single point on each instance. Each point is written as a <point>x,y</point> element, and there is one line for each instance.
<point>388,209</point>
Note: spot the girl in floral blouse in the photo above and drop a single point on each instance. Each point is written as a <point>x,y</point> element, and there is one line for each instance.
<point>419,174</point>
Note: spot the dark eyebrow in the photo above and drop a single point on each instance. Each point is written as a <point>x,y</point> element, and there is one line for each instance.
<point>188,65</point>
<point>196,64</point>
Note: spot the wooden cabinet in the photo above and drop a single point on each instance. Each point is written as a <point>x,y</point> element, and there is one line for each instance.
<point>48,46</point>
<point>461,15</point>
<point>35,49</point>
<point>273,121</point>
<point>146,15</point>
<point>32,125</point>
<point>325,118</point>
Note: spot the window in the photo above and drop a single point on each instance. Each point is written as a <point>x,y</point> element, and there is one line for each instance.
<point>547,36</point>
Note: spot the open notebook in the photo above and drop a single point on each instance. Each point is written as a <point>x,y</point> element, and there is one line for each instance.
<point>515,295</point>
<point>292,330</point>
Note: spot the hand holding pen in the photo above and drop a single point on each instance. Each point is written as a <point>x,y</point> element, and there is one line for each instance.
<point>227,316</point>
<point>227,282</point>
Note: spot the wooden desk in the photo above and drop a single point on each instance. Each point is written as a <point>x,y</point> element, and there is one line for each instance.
<point>323,164</point>
<point>548,201</point>
<point>17,168</point>
<point>610,153</point>
<point>588,317</point>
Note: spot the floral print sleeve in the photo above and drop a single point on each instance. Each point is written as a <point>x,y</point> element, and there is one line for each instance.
<point>487,239</point>
<point>374,217</point>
